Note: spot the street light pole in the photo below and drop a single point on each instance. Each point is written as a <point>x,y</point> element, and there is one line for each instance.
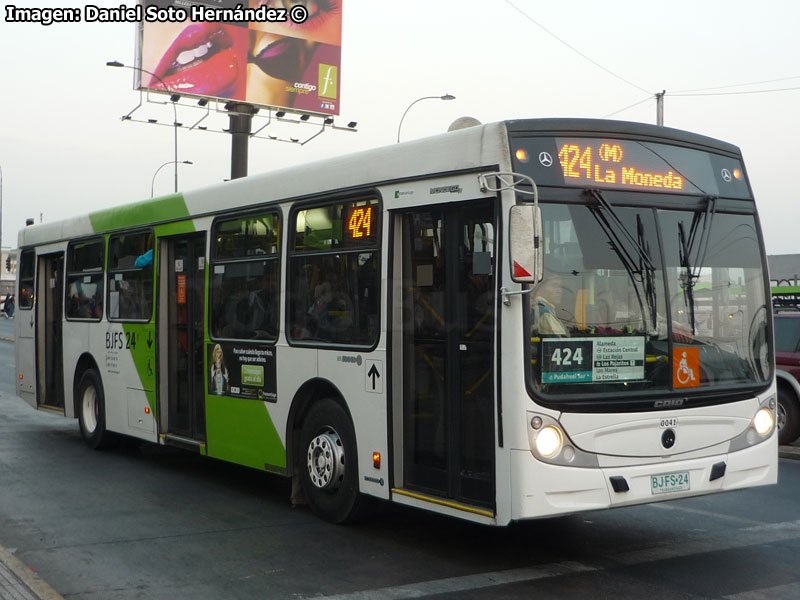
<point>169,162</point>
<point>174,99</point>
<point>445,97</point>
<point>1,207</point>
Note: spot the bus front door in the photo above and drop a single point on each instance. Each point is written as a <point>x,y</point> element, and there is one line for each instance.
<point>49,326</point>
<point>184,307</point>
<point>448,263</point>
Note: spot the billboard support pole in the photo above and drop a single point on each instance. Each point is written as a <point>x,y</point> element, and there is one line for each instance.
<point>241,120</point>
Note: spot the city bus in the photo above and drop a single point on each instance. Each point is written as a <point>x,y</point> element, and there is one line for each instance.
<point>507,321</point>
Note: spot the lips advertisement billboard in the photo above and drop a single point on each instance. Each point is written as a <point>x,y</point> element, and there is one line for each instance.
<point>274,53</point>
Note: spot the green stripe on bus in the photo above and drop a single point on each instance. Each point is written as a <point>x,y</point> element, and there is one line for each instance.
<point>140,213</point>
<point>785,289</point>
<point>140,340</point>
<point>241,431</point>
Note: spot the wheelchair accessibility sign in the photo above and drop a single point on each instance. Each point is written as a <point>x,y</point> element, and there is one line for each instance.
<point>685,367</point>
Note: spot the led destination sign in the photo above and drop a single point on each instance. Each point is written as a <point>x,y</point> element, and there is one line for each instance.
<point>605,164</point>
<point>628,165</point>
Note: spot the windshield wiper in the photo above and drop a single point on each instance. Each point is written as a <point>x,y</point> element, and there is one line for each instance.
<point>642,273</point>
<point>649,273</point>
<point>692,274</point>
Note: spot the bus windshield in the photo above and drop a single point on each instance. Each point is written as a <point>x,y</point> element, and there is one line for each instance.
<point>640,298</point>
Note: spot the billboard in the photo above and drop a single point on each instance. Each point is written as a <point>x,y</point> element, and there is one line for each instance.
<point>276,53</point>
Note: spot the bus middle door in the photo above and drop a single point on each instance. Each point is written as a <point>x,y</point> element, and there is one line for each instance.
<point>183,281</point>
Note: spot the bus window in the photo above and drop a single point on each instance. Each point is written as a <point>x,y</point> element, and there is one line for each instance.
<point>245,278</point>
<point>130,276</point>
<point>333,275</point>
<point>26,278</point>
<point>85,279</point>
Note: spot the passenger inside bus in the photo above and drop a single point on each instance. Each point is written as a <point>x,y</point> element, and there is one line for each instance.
<point>547,307</point>
<point>85,300</point>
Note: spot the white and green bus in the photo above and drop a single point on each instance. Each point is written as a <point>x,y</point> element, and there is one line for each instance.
<point>508,321</point>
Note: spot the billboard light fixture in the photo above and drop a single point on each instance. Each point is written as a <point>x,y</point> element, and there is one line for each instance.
<point>294,140</point>
<point>280,114</point>
<point>202,102</point>
<point>352,124</point>
<point>152,120</point>
<point>174,97</point>
<point>328,121</point>
<point>305,117</point>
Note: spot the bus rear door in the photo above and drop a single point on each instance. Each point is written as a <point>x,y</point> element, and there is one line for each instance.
<point>49,326</point>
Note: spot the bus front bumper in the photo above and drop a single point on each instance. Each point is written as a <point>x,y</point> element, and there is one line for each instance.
<point>541,490</point>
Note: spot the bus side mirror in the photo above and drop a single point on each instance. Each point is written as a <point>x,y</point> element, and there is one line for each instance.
<point>525,226</point>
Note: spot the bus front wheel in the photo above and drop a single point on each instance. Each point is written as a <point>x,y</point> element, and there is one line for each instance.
<point>788,416</point>
<point>92,411</point>
<point>328,463</point>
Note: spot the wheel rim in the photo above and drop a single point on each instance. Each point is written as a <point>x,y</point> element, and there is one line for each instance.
<point>781,416</point>
<point>325,460</point>
<point>89,409</point>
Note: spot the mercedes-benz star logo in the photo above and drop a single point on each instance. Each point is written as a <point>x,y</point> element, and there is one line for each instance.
<point>726,175</point>
<point>545,159</point>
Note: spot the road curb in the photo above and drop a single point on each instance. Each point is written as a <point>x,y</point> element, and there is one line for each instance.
<point>27,577</point>
<point>789,452</point>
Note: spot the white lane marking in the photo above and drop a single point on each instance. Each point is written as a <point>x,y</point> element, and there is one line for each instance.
<point>706,513</point>
<point>790,591</point>
<point>692,544</point>
<point>706,541</point>
<point>466,583</point>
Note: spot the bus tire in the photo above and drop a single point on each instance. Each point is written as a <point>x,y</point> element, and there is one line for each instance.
<point>328,463</point>
<point>788,416</point>
<point>92,411</point>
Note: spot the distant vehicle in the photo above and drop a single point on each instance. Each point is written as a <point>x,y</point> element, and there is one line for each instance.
<point>787,365</point>
<point>785,298</point>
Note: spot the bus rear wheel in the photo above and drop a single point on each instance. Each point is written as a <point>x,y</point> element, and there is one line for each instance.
<point>92,411</point>
<point>328,463</point>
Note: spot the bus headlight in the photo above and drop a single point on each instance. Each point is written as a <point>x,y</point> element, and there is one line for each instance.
<point>763,421</point>
<point>549,441</point>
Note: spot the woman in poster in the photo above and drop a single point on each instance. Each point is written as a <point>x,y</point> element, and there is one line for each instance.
<point>219,373</point>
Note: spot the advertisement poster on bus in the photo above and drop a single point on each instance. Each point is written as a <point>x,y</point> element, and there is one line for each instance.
<point>242,371</point>
<point>274,53</point>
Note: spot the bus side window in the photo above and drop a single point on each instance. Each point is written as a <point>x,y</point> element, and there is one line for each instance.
<point>85,279</point>
<point>130,287</point>
<point>333,275</point>
<point>26,279</point>
<point>245,278</point>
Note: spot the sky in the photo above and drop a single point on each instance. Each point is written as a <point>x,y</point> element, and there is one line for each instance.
<point>64,150</point>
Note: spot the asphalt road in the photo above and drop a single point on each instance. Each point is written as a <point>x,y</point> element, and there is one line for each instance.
<point>144,522</point>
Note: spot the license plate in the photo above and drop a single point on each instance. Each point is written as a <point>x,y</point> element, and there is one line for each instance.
<point>669,482</point>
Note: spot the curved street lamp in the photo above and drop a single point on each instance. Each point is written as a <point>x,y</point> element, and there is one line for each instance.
<point>169,162</point>
<point>174,98</point>
<point>445,97</point>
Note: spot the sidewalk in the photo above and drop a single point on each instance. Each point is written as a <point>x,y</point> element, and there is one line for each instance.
<point>18,582</point>
<point>792,451</point>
